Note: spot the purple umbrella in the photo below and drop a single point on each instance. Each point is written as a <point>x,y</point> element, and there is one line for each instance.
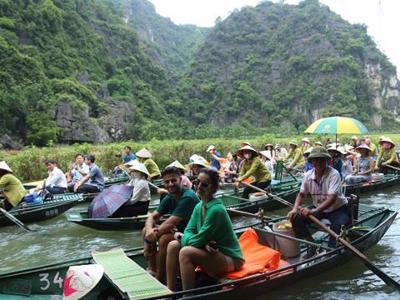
<point>109,200</point>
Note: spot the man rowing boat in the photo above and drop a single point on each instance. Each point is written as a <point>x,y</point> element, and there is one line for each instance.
<point>323,183</point>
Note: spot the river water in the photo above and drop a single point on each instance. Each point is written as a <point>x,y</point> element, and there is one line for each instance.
<point>58,240</point>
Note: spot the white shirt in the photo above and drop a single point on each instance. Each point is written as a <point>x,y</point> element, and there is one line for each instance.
<point>141,191</point>
<point>330,184</point>
<point>56,179</point>
<point>76,172</point>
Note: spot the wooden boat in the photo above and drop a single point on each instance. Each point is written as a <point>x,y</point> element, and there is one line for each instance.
<point>229,199</point>
<point>39,212</point>
<point>46,282</point>
<point>374,185</point>
<point>108,181</point>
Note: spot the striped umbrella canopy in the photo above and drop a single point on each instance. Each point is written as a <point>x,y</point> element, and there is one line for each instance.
<point>337,125</point>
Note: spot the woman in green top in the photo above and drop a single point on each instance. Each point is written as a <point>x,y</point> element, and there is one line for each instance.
<point>253,170</point>
<point>11,187</point>
<point>208,240</point>
<point>387,156</point>
<point>143,156</point>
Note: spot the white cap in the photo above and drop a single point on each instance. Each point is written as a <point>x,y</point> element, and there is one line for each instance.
<point>5,167</point>
<point>211,147</point>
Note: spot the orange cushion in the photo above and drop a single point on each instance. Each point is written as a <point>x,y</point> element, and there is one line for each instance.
<point>258,258</point>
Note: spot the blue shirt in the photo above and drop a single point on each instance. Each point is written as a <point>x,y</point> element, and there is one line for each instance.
<point>96,177</point>
<point>215,163</point>
<point>129,157</point>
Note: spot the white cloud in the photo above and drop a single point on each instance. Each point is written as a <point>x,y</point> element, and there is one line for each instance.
<point>381,16</point>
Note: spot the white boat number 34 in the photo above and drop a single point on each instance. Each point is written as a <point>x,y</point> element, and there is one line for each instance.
<point>45,281</point>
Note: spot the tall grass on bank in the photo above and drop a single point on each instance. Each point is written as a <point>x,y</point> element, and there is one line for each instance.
<point>28,164</point>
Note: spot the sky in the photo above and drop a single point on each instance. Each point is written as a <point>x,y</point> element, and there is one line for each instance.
<point>381,16</point>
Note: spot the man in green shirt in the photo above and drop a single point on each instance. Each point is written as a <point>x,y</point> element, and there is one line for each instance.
<point>178,204</point>
<point>208,240</point>
<point>387,156</point>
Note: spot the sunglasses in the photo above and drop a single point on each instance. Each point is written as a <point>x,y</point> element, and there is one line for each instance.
<point>203,184</point>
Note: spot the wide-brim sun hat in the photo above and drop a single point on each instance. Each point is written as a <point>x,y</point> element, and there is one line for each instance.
<point>308,151</point>
<point>177,165</point>
<point>137,166</point>
<point>318,143</point>
<point>245,143</point>
<point>80,280</point>
<point>306,140</point>
<point>387,140</point>
<point>248,148</point>
<point>268,145</point>
<point>143,153</point>
<point>319,152</point>
<point>338,149</point>
<point>266,154</point>
<point>5,167</point>
<point>293,143</point>
<point>363,146</point>
<point>198,162</point>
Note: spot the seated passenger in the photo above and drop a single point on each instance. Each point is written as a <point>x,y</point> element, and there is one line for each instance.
<point>56,182</point>
<point>179,204</point>
<point>323,184</point>
<point>12,188</point>
<point>140,199</point>
<point>208,240</point>
<point>92,182</point>
<point>363,166</point>
<point>77,171</point>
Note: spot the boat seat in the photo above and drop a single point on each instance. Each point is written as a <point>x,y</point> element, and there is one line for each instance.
<point>130,278</point>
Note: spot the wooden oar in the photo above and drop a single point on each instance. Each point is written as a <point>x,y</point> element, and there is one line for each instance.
<point>382,275</point>
<point>394,168</point>
<point>16,221</point>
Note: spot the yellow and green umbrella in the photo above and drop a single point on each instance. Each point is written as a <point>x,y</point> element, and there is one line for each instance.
<point>337,125</point>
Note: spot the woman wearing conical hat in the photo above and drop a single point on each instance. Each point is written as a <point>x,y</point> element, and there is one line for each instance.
<point>12,188</point>
<point>295,157</point>
<point>252,168</point>
<point>144,156</point>
<point>138,204</point>
<point>387,156</point>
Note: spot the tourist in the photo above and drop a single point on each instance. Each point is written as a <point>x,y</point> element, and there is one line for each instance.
<point>138,204</point>
<point>323,184</point>
<point>280,152</point>
<point>77,171</point>
<point>93,182</point>
<point>208,241</point>
<point>11,186</point>
<point>252,168</point>
<point>144,156</point>
<point>336,152</point>
<point>363,166</point>
<point>266,158</point>
<point>56,182</point>
<point>178,204</point>
<point>216,157</point>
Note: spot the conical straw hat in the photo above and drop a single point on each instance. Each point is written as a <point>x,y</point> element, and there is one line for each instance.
<point>80,280</point>
<point>143,153</point>
<point>5,167</point>
<point>137,166</point>
<point>176,164</point>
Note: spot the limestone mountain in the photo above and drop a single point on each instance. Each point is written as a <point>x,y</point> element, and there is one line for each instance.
<point>278,65</point>
<point>170,45</point>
